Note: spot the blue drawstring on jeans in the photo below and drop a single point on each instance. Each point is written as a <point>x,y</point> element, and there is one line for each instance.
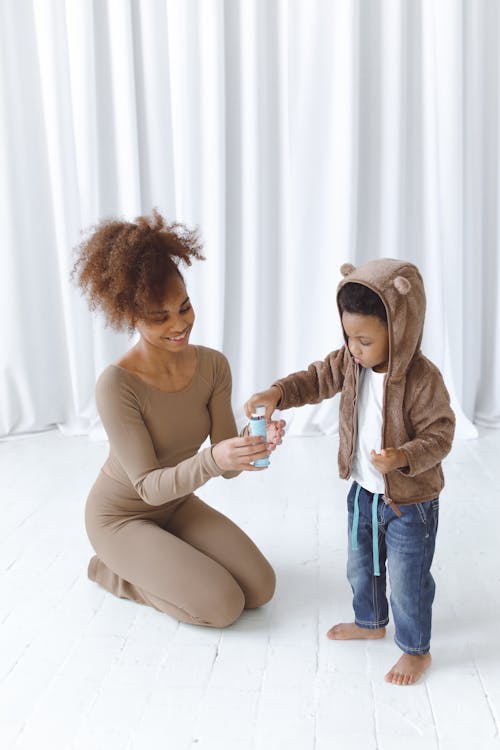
<point>354,530</point>
<point>355,520</point>
<point>376,567</point>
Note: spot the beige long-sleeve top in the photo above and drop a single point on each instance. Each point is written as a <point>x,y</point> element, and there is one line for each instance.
<point>155,436</point>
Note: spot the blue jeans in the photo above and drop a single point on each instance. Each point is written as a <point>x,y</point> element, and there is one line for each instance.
<point>407,544</point>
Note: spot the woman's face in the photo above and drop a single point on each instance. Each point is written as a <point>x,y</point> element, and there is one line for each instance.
<point>168,327</point>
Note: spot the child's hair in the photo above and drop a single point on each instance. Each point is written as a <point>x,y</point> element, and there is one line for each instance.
<point>124,267</point>
<point>360,300</point>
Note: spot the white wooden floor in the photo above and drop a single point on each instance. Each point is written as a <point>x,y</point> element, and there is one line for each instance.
<point>80,669</point>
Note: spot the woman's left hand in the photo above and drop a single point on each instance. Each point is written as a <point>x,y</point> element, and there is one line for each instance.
<point>275,429</point>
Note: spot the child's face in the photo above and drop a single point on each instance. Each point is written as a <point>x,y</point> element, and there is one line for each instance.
<point>367,340</point>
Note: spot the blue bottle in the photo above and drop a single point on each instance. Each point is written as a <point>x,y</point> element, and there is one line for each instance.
<point>258,427</point>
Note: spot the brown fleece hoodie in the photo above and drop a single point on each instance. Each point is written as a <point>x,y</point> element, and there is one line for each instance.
<point>416,413</point>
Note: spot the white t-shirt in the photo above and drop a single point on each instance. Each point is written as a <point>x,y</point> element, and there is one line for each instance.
<point>369,437</point>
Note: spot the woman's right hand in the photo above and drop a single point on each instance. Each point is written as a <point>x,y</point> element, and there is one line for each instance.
<point>268,398</point>
<point>236,454</point>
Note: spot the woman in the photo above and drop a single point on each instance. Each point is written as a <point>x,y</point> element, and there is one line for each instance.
<point>156,542</point>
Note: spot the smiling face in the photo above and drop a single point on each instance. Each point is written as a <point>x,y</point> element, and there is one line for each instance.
<point>168,327</point>
<point>367,339</point>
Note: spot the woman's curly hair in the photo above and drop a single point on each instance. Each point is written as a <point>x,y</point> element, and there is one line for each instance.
<point>123,267</point>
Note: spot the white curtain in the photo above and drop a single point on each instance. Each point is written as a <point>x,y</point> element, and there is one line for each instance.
<point>297,134</point>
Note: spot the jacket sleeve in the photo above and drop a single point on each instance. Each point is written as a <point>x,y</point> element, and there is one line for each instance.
<point>321,380</point>
<point>220,409</point>
<point>130,441</point>
<point>433,425</point>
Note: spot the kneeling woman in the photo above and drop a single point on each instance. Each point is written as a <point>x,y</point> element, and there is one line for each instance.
<point>156,542</point>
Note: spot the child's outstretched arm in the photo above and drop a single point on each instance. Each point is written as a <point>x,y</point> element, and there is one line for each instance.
<point>321,380</point>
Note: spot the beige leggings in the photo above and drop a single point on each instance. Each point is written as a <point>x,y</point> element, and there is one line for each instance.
<point>185,559</point>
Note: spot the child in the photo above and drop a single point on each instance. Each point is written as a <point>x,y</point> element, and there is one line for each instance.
<point>395,427</point>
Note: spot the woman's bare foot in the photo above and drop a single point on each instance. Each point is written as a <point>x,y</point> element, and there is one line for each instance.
<point>348,631</point>
<point>408,669</point>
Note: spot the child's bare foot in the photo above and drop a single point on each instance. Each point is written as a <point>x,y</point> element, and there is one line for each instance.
<point>408,669</point>
<point>348,631</point>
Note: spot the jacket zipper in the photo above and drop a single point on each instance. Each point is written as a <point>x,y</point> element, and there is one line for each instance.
<point>387,499</point>
<point>355,418</point>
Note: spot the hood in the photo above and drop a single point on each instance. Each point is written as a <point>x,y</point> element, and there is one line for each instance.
<point>401,289</point>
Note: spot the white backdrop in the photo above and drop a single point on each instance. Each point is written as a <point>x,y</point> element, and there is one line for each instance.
<point>296,134</point>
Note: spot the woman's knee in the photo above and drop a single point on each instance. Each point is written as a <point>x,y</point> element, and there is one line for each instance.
<point>221,606</point>
<point>263,588</point>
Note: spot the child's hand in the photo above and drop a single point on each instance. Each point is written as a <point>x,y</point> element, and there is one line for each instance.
<point>388,460</point>
<point>268,398</point>
<point>275,431</point>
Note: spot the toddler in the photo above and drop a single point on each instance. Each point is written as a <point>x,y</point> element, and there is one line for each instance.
<point>395,427</point>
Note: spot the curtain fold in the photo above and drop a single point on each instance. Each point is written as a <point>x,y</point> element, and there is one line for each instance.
<point>296,136</point>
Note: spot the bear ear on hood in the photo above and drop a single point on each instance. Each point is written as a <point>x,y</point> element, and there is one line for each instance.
<point>402,285</point>
<point>347,268</point>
